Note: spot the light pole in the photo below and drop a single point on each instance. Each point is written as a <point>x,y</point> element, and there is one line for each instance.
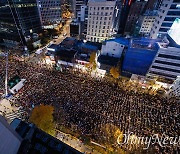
<point>6,77</point>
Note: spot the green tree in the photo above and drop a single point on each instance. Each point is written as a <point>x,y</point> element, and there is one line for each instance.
<point>42,117</point>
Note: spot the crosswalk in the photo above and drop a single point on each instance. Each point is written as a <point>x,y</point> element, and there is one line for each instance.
<point>20,114</point>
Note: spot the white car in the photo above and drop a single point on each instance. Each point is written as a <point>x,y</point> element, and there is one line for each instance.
<point>55,37</point>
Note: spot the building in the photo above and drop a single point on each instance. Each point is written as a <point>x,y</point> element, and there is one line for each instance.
<point>147,22</point>
<point>136,10</point>
<point>78,27</point>
<point>100,20</point>
<point>167,13</point>
<point>124,7</point>
<point>10,139</point>
<point>21,137</point>
<point>35,140</point>
<point>50,12</point>
<point>139,56</point>
<point>106,62</point>
<point>75,29</point>
<point>167,61</point>
<point>114,47</point>
<point>18,20</point>
<point>77,5</point>
<point>83,21</point>
<point>153,5</point>
<point>174,90</point>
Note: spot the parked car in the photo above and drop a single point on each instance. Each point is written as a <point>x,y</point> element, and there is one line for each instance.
<point>55,37</point>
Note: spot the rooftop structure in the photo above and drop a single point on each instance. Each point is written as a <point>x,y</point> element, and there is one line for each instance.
<point>107,62</point>
<point>139,56</point>
<point>114,47</point>
<point>37,141</point>
<point>66,55</point>
<point>68,42</point>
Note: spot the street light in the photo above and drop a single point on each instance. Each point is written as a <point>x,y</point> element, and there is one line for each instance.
<point>6,76</point>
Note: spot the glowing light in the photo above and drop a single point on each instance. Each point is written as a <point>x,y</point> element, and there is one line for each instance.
<point>130,2</point>
<point>178,6</point>
<point>174,31</point>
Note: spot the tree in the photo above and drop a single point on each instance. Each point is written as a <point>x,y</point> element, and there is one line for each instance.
<point>111,137</point>
<point>115,72</point>
<point>92,62</point>
<point>44,40</point>
<point>30,45</point>
<point>53,32</point>
<point>42,117</point>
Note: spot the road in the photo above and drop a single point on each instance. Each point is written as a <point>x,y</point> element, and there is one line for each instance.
<point>66,30</point>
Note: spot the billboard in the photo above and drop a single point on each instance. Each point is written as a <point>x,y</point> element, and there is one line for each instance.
<point>174,31</point>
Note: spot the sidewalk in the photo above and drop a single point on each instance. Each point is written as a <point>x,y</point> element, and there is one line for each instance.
<point>75,143</point>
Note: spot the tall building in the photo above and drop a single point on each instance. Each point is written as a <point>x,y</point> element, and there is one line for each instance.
<point>83,21</point>
<point>167,61</point>
<point>25,138</point>
<point>136,10</point>
<point>77,5</point>
<point>153,5</point>
<point>18,19</point>
<point>10,139</point>
<point>50,12</point>
<point>147,20</point>
<point>167,13</point>
<point>100,20</point>
<point>139,56</point>
<point>125,7</point>
<point>174,90</point>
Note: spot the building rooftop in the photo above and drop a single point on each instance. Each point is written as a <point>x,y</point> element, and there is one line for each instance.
<point>107,60</point>
<point>65,54</point>
<point>144,43</point>
<point>120,40</point>
<point>37,141</point>
<point>68,42</point>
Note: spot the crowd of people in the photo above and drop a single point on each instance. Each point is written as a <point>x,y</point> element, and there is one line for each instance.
<point>89,104</point>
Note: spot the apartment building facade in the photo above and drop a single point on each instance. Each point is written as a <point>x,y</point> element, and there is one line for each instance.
<point>100,20</point>
<point>167,13</point>
<point>50,12</point>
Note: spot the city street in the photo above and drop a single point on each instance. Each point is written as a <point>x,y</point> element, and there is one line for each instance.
<point>65,33</point>
<point>35,58</point>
